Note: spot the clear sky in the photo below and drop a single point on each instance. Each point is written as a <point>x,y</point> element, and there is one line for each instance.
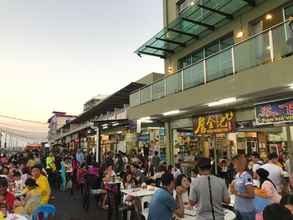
<point>57,54</point>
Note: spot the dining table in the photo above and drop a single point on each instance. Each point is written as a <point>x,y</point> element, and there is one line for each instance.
<point>16,217</point>
<point>192,215</point>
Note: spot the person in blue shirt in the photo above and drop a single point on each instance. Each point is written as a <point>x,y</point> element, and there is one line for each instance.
<point>163,205</point>
<point>243,189</point>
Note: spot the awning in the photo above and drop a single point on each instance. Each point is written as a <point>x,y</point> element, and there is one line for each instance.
<point>194,23</point>
<point>110,103</point>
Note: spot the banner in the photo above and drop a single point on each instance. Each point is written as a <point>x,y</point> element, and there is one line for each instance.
<point>276,112</point>
<point>216,123</point>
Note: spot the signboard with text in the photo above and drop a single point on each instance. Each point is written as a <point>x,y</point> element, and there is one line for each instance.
<point>214,124</point>
<point>276,112</point>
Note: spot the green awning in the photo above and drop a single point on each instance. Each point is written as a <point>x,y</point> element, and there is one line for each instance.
<point>195,22</point>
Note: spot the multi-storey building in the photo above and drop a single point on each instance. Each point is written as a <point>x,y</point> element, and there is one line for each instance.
<point>93,102</point>
<point>58,120</point>
<point>228,64</point>
<point>105,126</point>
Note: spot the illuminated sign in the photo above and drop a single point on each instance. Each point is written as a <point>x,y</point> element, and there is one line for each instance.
<point>216,123</point>
<point>276,112</point>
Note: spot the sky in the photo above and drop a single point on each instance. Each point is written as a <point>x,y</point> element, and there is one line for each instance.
<point>57,54</point>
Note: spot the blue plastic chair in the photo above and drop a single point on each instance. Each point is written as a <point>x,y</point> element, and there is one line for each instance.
<point>45,210</point>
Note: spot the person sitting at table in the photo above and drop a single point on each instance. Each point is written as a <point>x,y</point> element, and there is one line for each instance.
<point>9,198</point>
<point>183,184</point>
<point>19,184</point>
<point>209,193</point>
<point>129,181</point>
<point>163,205</point>
<point>32,197</point>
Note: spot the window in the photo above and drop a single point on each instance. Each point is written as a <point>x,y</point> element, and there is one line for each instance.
<point>288,11</point>
<point>214,47</point>
<point>182,5</point>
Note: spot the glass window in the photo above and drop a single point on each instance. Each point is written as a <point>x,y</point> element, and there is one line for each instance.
<point>212,48</point>
<point>187,61</point>
<point>288,11</point>
<point>197,56</point>
<point>226,42</point>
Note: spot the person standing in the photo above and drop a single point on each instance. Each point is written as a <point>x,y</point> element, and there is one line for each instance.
<point>242,188</point>
<point>51,170</point>
<point>80,157</point>
<point>275,171</point>
<point>209,193</point>
<point>163,205</point>
<point>156,161</point>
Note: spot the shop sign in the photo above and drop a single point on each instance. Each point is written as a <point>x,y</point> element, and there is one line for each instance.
<point>215,123</point>
<point>276,112</point>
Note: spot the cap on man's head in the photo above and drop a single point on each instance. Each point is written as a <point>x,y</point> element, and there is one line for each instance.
<point>204,164</point>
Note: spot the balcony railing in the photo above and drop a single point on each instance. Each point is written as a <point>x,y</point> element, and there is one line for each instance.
<point>265,47</point>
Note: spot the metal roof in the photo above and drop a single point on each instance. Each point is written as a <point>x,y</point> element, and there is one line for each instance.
<point>110,103</point>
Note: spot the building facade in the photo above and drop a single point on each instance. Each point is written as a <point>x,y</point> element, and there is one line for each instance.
<point>58,120</point>
<point>224,61</point>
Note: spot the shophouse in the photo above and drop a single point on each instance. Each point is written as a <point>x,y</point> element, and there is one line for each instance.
<point>228,78</point>
<point>105,126</point>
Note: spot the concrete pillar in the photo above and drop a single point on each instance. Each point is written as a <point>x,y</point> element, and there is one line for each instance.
<point>169,143</point>
<point>290,146</point>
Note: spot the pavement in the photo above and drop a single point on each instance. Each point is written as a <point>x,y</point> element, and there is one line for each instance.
<point>69,207</point>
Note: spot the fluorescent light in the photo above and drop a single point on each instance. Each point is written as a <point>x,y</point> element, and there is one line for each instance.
<point>175,112</point>
<point>145,118</point>
<point>291,86</point>
<point>223,102</point>
<point>115,124</point>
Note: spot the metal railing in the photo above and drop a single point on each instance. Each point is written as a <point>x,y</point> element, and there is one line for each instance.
<point>265,47</point>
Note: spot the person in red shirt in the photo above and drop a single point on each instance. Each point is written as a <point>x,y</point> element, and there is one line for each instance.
<point>9,197</point>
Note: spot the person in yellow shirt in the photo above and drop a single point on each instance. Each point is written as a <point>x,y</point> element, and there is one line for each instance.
<point>43,184</point>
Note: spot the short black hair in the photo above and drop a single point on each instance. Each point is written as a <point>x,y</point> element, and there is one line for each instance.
<point>287,200</point>
<point>276,211</point>
<point>38,166</point>
<point>255,155</point>
<point>31,182</point>
<point>16,173</point>
<point>167,179</point>
<point>204,164</point>
<point>3,182</point>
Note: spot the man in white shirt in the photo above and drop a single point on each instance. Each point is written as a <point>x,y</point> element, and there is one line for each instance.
<point>276,172</point>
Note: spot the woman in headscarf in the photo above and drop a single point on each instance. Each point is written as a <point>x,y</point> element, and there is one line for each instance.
<point>267,188</point>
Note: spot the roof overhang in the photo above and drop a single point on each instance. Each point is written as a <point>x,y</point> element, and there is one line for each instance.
<point>192,24</point>
<point>117,100</point>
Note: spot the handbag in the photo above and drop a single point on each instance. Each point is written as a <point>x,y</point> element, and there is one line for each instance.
<point>211,198</point>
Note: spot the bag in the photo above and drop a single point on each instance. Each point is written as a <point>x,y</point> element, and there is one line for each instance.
<point>211,198</point>
<point>260,203</point>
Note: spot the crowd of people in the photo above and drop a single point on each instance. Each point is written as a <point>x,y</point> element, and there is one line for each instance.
<point>254,189</point>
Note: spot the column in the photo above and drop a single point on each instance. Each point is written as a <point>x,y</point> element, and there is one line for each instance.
<point>169,143</point>
<point>290,147</point>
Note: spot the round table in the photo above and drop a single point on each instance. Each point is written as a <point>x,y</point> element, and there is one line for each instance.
<point>16,217</point>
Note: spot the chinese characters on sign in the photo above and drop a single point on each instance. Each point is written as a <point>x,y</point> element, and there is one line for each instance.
<point>217,123</point>
<point>276,112</point>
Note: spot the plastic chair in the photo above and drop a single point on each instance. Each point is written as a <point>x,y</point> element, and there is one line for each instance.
<point>45,210</point>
